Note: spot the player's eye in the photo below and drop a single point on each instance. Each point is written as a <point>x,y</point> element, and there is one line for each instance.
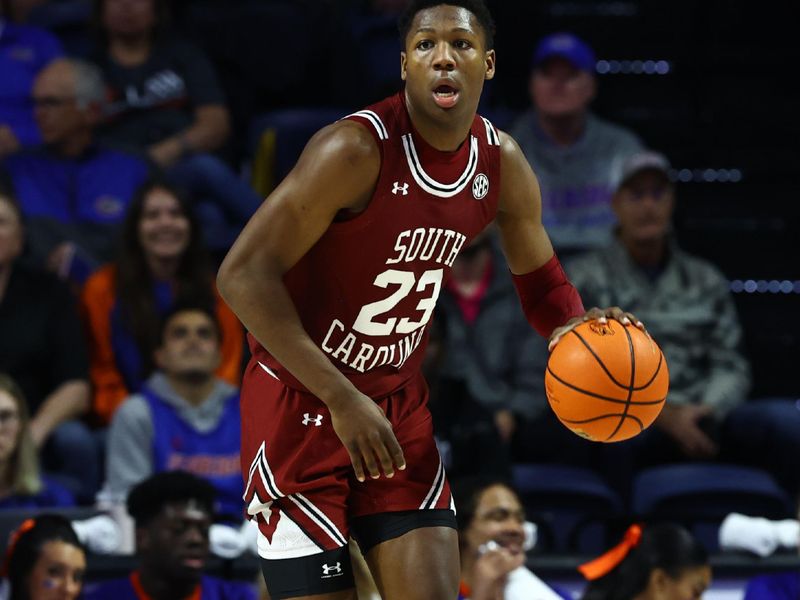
<point>462,44</point>
<point>424,45</point>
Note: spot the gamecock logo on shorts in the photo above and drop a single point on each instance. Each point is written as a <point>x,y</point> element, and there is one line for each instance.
<point>480,186</point>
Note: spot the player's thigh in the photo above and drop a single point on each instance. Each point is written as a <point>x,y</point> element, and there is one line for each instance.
<point>296,490</point>
<point>422,564</point>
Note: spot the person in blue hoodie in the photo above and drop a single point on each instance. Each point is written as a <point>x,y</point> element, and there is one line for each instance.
<point>183,418</point>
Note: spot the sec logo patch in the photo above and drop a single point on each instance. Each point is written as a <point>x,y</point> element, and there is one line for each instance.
<point>480,186</point>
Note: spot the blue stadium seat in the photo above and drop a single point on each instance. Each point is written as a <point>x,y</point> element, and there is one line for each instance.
<point>700,495</point>
<point>277,138</point>
<point>574,505</point>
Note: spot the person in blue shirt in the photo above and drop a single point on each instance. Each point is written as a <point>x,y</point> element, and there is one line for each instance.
<point>184,417</point>
<point>24,51</point>
<point>74,192</point>
<point>173,512</point>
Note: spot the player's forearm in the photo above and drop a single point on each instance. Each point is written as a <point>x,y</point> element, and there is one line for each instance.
<point>277,326</point>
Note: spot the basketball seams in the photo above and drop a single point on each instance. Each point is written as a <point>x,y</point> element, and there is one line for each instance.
<point>596,381</point>
<point>624,414</point>
<point>600,396</point>
<point>655,373</point>
<point>606,416</point>
<point>599,360</point>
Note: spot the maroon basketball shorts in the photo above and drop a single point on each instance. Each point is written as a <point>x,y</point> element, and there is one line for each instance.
<point>301,489</point>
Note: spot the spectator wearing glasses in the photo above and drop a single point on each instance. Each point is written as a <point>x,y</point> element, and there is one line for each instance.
<point>73,192</point>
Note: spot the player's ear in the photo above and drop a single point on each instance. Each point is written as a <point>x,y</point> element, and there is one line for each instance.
<point>403,66</point>
<point>490,58</point>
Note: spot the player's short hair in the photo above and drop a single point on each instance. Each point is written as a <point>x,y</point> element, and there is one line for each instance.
<point>151,496</point>
<point>476,7</point>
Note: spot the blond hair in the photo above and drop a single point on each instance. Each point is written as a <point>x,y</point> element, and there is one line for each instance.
<point>23,476</point>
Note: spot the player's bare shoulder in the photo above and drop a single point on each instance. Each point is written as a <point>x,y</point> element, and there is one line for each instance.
<point>343,160</point>
<point>347,141</point>
<point>511,155</point>
<point>519,188</point>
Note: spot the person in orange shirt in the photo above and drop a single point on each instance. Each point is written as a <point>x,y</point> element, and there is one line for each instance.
<point>161,262</point>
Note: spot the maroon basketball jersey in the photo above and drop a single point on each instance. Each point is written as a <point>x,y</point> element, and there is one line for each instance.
<point>366,291</point>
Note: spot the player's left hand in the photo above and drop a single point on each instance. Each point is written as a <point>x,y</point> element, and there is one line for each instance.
<point>601,314</point>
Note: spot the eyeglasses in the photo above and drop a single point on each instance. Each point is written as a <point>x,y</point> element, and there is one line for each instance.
<point>51,101</point>
<point>8,417</point>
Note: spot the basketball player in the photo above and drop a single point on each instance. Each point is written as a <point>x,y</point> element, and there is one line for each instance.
<point>336,277</point>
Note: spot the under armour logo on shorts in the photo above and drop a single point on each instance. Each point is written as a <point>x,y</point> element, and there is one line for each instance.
<point>308,419</point>
<point>331,570</point>
<point>396,187</point>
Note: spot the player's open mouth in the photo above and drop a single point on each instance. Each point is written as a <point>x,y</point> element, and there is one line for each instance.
<point>445,96</point>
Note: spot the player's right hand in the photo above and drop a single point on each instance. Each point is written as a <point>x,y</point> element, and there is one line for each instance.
<point>366,434</point>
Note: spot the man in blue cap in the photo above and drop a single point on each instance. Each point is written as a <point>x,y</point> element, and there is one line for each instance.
<point>576,155</point>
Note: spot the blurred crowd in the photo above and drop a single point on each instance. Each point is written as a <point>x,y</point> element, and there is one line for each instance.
<point>131,155</point>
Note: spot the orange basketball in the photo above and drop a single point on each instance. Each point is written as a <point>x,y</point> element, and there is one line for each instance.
<point>606,382</point>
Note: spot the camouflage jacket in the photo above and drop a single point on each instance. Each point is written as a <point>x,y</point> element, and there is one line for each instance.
<point>688,310</point>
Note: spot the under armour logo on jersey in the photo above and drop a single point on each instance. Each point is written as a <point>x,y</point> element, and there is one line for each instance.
<point>308,419</point>
<point>480,186</point>
<point>331,570</point>
<point>396,187</point>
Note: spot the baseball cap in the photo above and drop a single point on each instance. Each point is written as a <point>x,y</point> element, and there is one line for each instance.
<point>646,160</point>
<point>568,46</point>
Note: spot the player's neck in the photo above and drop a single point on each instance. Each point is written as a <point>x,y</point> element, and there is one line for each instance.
<point>443,136</point>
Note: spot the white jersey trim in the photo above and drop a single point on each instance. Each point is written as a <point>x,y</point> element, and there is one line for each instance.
<point>436,489</point>
<point>428,183</point>
<point>316,515</point>
<point>491,133</point>
<point>268,370</point>
<point>375,120</point>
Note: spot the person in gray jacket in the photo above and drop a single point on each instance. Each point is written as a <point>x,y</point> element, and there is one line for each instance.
<point>576,155</point>
<point>183,418</point>
<point>689,311</point>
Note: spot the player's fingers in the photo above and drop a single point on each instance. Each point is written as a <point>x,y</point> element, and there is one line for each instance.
<point>368,454</point>
<point>594,313</point>
<point>355,459</point>
<point>395,451</point>
<point>384,458</point>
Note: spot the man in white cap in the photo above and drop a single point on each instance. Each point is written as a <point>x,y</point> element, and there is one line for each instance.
<point>576,155</point>
<point>686,304</point>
